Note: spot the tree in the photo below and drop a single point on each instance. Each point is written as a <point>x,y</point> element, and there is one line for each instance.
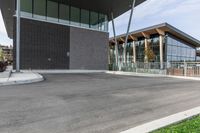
<point>149,54</point>
<point>1,55</point>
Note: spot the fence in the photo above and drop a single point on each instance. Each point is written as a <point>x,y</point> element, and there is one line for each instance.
<point>140,67</point>
<point>191,69</point>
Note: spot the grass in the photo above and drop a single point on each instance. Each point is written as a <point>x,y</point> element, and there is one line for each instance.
<point>188,126</point>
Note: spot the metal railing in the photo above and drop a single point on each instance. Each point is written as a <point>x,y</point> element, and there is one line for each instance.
<point>140,67</point>
<point>191,69</point>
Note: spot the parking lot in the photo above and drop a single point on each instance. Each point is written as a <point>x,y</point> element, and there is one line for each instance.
<point>93,103</point>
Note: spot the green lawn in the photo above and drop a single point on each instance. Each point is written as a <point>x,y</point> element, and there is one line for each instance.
<point>187,126</point>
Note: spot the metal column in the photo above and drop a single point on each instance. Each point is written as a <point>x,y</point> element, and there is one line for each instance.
<point>127,33</point>
<point>18,36</point>
<point>116,44</point>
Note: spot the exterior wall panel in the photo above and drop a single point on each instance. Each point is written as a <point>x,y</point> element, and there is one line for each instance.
<point>43,45</point>
<point>46,46</point>
<point>88,49</point>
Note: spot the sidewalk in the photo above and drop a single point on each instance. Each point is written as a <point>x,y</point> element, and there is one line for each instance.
<point>150,75</point>
<point>20,78</point>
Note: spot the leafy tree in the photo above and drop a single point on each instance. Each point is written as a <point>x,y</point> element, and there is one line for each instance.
<point>1,55</point>
<point>149,54</point>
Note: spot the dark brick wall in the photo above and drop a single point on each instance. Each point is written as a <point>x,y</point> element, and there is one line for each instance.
<point>43,45</point>
<point>88,49</point>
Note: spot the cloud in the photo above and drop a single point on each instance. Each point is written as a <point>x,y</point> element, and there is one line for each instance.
<point>183,14</point>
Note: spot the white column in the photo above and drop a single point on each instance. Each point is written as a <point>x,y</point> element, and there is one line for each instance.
<point>161,52</point>
<point>124,53</point>
<point>127,33</point>
<point>116,44</point>
<point>146,47</point>
<point>134,52</point>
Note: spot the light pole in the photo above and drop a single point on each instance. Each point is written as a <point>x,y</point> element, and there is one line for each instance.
<point>18,14</point>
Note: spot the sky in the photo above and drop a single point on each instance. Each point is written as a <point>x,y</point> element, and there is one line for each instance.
<point>4,40</point>
<point>183,14</point>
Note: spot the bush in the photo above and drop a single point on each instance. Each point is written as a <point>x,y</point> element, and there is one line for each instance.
<point>3,66</point>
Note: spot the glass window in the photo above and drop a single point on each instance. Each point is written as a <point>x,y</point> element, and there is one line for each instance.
<point>64,14</point>
<point>52,11</point>
<point>75,16</point>
<point>40,9</point>
<point>181,52</point>
<point>94,20</point>
<point>103,22</point>
<point>85,18</point>
<point>26,7</point>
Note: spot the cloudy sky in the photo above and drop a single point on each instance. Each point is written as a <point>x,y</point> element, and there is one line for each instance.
<point>183,14</point>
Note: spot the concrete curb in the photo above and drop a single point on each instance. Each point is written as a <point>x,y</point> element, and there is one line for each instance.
<point>160,123</point>
<point>39,78</point>
<point>151,75</point>
<point>134,74</point>
<point>65,71</point>
<point>182,77</point>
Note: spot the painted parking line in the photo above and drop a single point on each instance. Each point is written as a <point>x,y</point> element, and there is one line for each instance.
<point>163,122</point>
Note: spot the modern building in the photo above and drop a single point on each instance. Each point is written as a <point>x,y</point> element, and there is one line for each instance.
<point>7,53</point>
<point>160,43</point>
<point>198,55</point>
<point>63,34</point>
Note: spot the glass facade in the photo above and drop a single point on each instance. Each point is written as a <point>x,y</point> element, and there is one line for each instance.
<point>85,18</point>
<point>155,47</point>
<point>39,10</point>
<point>179,51</point>
<point>26,7</point>
<point>129,52</point>
<point>63,13</point>
<point>52,11</point>
<point>173,50</point>
<point>140,46</point>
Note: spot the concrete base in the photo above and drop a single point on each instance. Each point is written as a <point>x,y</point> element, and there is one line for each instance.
<point>21,78</point>
<point>65,71</point>
<point>135,74</point>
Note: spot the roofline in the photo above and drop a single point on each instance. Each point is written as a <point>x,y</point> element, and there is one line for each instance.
<point>170,27</point>
<point>117,7</point>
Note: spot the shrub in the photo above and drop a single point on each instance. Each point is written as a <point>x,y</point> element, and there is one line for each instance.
<point>3,66</point>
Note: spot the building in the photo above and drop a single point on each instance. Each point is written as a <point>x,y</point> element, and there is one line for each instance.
<point>198,55</point>
<point>158,44</point>
<point>63,34</point>
<point>7,53</point>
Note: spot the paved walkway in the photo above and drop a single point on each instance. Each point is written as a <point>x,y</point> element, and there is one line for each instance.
<point>93,103</point>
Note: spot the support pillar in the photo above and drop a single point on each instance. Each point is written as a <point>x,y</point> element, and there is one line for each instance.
<point>145,48</point>
<point>109,59</point>
<point>161,52</point>
<point>127,33</point>
<point>134,52</point>
<point>116,44</point>
<point>18,37</point>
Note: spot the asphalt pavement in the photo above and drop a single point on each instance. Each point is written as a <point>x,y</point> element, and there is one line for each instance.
<point>93,103</point>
